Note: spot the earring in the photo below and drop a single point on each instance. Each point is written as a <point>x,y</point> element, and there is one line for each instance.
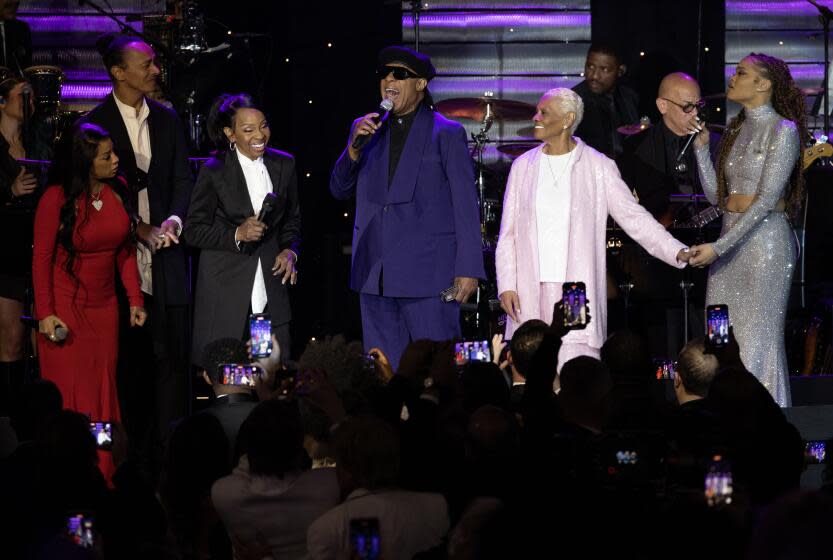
<point>231,146</point>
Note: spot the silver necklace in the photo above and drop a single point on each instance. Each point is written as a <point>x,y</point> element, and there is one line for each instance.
<point>566,167</point>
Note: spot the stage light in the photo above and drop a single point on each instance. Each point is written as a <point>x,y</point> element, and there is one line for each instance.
<point>229,32</point>
<point>329,45</point>
<point>310,101</point>
<point>286,60</point>
<point>718,109</point>
<point>641,53</point>
<point>706,49</point>
<point>345,214</point>
<point>511,30</point>
<point>780,42</point>
<point>308,174</point>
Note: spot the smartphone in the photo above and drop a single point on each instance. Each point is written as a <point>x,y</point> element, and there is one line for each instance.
<point>80,530</point>
<point>718,483</point>
<point>815,452</point>
<point>239,374</point>
<point>449,294</point>
<point>477,351</point>
<point>574,302</point>
<point>717,325</point>
<point>260,331</point>
<point>665,369</point>
<point>103,434</point>
<point>627,457</point>
<point>365,541</point>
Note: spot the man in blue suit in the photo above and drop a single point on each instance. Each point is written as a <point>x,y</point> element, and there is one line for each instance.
<point>417,229</point>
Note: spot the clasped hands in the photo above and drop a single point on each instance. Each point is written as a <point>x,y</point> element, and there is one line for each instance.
<point>698,256</point>
<point>156,238</point>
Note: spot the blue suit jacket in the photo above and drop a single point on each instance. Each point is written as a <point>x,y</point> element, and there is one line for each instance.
<point>424,229</point>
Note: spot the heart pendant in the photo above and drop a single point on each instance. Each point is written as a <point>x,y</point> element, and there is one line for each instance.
<point>97,204</point>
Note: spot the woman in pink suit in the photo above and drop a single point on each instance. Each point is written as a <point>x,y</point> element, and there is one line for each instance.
<point>553,228</point>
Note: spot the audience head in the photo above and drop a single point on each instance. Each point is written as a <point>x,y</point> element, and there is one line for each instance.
<point>525,342</point>
<point>493,435</point>
<point>626,355</point>
<point>695,371</point>
<point>796,526</point>
<point>367,454</point>
<point>130,62</point>
<point>223,351</point>
<point>66,443</point>
<point>603,68</point>
<point>585,392</point>
<point>8,9</point>
<point>349,372</point>
<point>237,122</point>
<point>272,437</point>
<point>483,384</point>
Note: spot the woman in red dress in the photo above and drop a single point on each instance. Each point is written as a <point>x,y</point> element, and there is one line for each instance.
<point>82,234</point>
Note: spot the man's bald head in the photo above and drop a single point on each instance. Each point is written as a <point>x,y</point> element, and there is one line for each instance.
<point>675,92</point>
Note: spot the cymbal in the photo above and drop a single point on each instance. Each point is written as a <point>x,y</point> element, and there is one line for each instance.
<point>631,129</point>
<point>514,150</point>
<point>474,108</point>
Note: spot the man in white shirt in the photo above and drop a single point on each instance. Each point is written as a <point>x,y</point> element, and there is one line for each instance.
<point>150,142</point>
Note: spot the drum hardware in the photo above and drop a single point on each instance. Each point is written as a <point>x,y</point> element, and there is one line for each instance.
<point>685,286</point>
<point>46,82</point>
<point>631,129</point>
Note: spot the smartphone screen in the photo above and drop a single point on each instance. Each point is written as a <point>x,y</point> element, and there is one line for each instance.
<point>574,302</point>
<point>365,540</point>
<point>718,483</point>
<point>103,434</point>
<point>815,452</point>
<point>477,351</point>
<point>665,369</point>
<point>238,374</point>
<point>717,325</point>
<point>260,331</point>
<point>80,530</point>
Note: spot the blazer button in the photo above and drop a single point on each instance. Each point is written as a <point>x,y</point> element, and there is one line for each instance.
<point>387,207</point>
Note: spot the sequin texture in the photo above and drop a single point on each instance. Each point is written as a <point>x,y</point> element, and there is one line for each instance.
<point>757,248</point>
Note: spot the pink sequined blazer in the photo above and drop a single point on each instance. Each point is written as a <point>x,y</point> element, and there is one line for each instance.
<point>596,190</point>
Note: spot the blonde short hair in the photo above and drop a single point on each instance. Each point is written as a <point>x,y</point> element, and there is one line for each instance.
<point>569,102</point>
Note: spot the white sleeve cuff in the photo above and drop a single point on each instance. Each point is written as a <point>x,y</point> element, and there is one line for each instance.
<point>178,221</point>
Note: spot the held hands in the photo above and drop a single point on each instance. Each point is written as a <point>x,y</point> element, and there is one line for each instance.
<point>170,229</point>
<point>24,184</point>
<point>285,264</point>
<point>138,316</point>
<point>154,238</point>
<point>364,126</point>
<point>510,303</point>
<point>250,230</point>
<point>684,255</point>
<point>465,288</point>
<point>48,324</point>
<point>702,255</point>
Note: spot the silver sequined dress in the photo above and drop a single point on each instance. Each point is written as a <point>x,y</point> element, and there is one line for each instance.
<point>756,248</point>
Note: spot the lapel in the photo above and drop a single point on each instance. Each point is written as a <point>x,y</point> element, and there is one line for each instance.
<point>378,160</point>
<point>275,169</point>
<point>155,133</point>
<point>404,180</point>
<point>118,132</point>
<point>234,178</point>
<point>533,165</point>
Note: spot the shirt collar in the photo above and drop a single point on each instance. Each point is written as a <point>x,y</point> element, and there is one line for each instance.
<point>248,163</point>
<point>128,112</point>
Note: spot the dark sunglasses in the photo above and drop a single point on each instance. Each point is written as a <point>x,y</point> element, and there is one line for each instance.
<point>688,107</point>
<point>399,73</point>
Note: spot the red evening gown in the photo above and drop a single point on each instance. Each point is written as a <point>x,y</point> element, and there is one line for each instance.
<point>84,365</point>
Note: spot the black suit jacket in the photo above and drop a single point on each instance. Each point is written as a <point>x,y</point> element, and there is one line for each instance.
<point>598,126</point>
<point>169,186</point>
<point>225,278</point>
<point>231,410</point>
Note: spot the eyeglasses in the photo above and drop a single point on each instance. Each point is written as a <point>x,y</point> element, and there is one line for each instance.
<point>399,73</point>
<point>688,107</point>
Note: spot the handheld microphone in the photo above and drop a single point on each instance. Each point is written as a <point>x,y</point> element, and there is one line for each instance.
<point>61,334</point>
<point>681,165</point>
<point>384,110</point>
<point>269,202</point>
<point>26,92</point>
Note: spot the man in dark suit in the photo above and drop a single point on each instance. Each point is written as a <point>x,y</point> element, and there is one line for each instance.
<point>232,403</point>
<point>417,229</point>
<point>607,103</point>
<point>149,140</point>
<point>525,342</point>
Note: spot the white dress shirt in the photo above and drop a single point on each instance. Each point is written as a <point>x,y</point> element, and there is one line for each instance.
<point>259,185</point>
<point>552,213</point>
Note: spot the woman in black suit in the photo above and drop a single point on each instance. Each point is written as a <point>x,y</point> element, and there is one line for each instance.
<point>245,263</point>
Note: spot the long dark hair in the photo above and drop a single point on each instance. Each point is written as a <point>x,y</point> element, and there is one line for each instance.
<point>222,114</point>
<point>788,101</point>
<point>86,138</point>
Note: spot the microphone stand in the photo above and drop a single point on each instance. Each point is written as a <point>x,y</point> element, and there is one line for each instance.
<point>825,15</point>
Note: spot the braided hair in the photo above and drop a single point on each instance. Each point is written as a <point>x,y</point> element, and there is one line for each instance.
<point>788,101</point>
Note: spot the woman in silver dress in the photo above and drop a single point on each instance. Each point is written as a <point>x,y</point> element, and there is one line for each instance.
<point>758,184</point>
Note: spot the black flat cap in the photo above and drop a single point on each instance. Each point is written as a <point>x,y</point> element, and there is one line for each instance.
<point>418,62</point>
